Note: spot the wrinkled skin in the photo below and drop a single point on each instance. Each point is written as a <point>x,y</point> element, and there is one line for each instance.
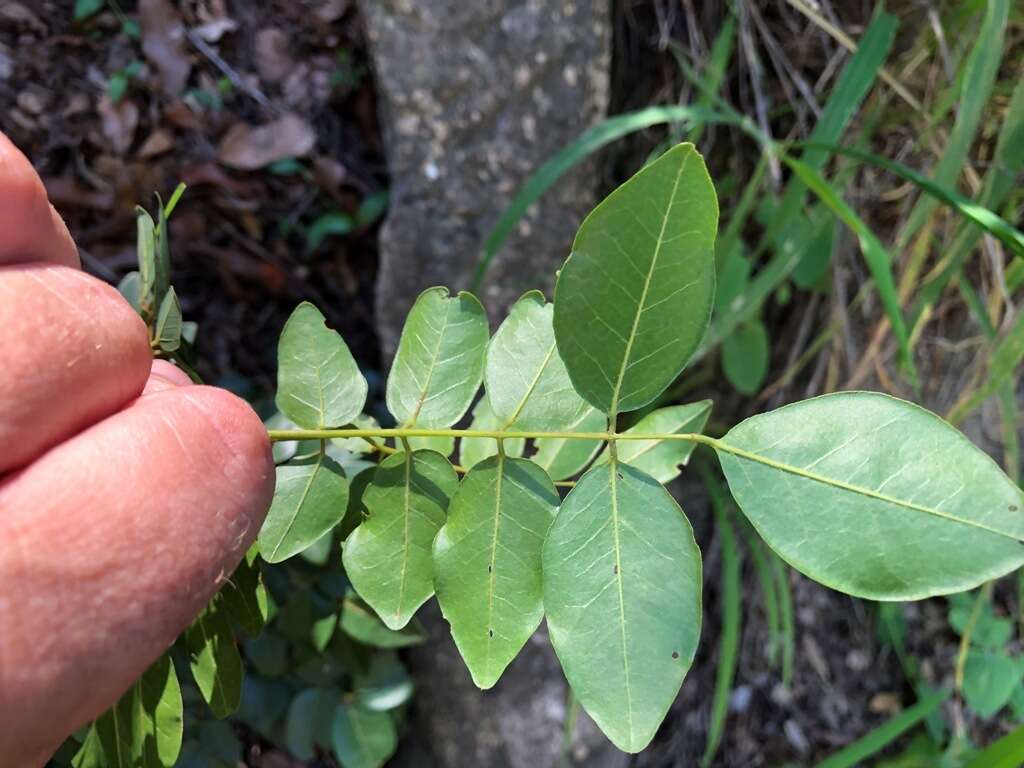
<point>127,495</point>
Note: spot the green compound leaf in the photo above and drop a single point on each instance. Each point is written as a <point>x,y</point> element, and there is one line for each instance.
<point>149,302</point>
<point>875,497</point>
<point>114,731</point>
<point>526,381</point>
<point>144,728</point>
<point>213,657</point>
<point>318,383</point>
<point>322,631</point>
<point>622,591</point>
<point>86,8</point>
<point>359,622</point>
<point>440,360</point>
<point>300,723</point>
<point>91,753</point>
<point>387,558</point>
<point>990,679</point>
<point>168,323</point>
<point>634,299</point>
<point>311,497</point>
<point>562,458</point>
<point>362,738</point>
<point>130,289</point>
<point>745,356</point>
<point>661,459</point>
<point>473,450</point>
<point>245,597</point>
<point>217,743</point>
<point>358,444</point>
<point>487,562</point>
<point>443,444</point>
<point>160,727</point>
<point>161,242</point>
<point>386,684</point>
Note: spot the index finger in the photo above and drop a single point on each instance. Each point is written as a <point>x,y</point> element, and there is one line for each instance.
<point>30,228</point>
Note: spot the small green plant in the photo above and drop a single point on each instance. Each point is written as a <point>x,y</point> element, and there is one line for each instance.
<point>987,673</point>
<point>121,80</point>
<point>867,494</point>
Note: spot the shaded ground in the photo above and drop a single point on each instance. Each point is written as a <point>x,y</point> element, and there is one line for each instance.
<point>245,251</point>
<point>241,252</point>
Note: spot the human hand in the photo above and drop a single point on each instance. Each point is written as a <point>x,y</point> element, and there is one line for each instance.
<point>127,495</point>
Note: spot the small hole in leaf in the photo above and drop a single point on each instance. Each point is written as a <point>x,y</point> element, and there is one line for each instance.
<point>675,654</point>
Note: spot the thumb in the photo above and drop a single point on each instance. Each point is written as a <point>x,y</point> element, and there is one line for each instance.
<point>110,544</point>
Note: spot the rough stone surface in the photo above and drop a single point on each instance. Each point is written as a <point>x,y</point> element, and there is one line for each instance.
<point>474,96</point>
<point>520,723</point>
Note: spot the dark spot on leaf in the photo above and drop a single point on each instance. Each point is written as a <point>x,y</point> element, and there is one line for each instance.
<point>675,654</point>
<point>615,569</point>
<point>1013,507</point>
<point>620,476</point>
<point>490,633</point>
<point>488,569</point>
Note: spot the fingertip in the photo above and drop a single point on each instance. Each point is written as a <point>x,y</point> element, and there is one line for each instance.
<point>30,229</point>
<point>236,424</point>
<point>65,244</point>
<point>163,499</point>
<point>74,351</point>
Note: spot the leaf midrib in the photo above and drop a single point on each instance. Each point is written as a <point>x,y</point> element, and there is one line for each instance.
<point>430,371</point>
<point>613,410</point>
<point>117,735</point>
<point>861,490</point>
<point>320,392</point>
<point>217,690</point>
<point>613,465</point>
<point>405,535</point>
<point>295,515</point>
<point>493,562</point>
<point>530,389</point>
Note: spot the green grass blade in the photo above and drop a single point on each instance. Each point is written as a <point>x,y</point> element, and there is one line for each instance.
<point>1005,358</point>
<point>980,72</point>
<point>1015,275</point>
<point>1007,752</point>
<point>876,740</point>
<point>741,212</point>
<point>1005,391</point>
<point>172,203</point>
<point>714,71</point>
<point>1008,161</point>
<point>766,580</point>
<point>589,142</point>
<point>875,255</point>
<point>853,85</point>
<point>729,644</point>
<point>974,211</point>
<point>787,632</point>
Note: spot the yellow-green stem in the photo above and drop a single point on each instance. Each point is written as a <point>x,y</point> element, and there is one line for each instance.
<point>278,435</point>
